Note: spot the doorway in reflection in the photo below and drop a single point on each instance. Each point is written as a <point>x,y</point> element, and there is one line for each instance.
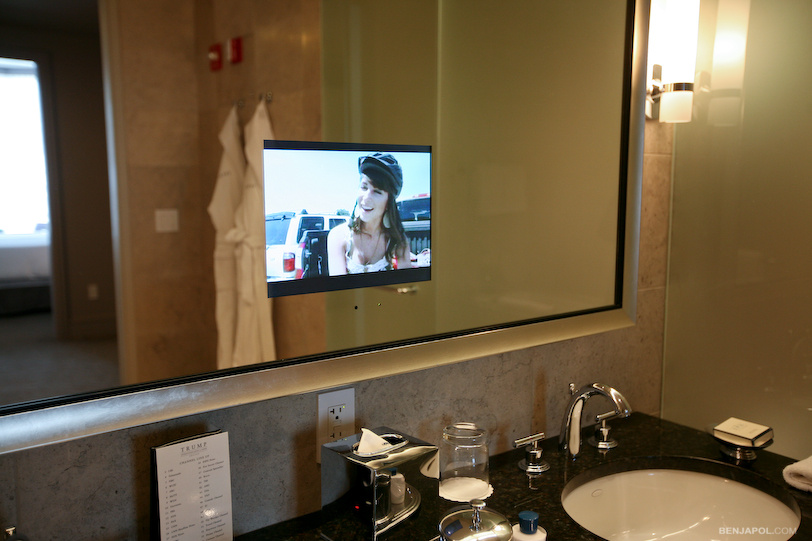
<point>56,280</point>
<point>33,362</point>
<point>25,240</point>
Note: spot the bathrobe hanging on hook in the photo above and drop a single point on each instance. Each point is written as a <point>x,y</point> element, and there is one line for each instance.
<point>254,340</point>
<point>224,202</point>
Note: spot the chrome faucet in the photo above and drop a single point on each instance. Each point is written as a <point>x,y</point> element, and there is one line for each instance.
<point>570,438</point>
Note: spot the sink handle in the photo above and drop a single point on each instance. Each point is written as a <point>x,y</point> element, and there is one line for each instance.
<point>603,417</point>
<point>602,440</point>
<point>521,442</point>
<point>532,462</point>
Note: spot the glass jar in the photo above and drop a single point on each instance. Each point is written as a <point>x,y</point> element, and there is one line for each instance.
<point>464,463</point>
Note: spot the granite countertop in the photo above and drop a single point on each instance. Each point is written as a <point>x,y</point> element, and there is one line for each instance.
<point>639,436</point>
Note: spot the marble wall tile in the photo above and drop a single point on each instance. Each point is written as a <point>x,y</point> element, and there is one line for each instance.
<point>159,54</point>
<point>659,138</point>
<point>90,478</point>
<point>162,137</point>
<point>654,225</point>
<point>494,392</point>
<point>232,17</point>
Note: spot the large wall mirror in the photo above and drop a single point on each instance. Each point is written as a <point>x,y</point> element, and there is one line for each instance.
<point>533,113</point>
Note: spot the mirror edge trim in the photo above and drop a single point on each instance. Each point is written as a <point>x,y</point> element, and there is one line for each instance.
<point>31,429</point>
<point>58,424</point>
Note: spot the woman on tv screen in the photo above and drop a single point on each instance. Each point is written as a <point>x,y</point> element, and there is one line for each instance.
<point>374,239</point>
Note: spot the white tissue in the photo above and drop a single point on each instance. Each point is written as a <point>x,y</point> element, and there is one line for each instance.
<point>371,443</point>
<point>799,474</point>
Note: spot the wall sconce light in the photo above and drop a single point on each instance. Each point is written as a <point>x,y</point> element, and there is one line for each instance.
<point>673,33</point>
<point>723,87</point>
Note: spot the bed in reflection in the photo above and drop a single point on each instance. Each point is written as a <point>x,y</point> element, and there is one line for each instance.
<point>25,273</point>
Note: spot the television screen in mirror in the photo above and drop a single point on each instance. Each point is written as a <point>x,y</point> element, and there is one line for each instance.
<point>345,216</point>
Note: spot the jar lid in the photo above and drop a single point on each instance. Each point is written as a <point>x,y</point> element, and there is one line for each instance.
<point>528,522</point>
<point>475,523</point>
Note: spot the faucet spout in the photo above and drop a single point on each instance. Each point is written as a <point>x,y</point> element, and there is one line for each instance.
<point>569,439</point>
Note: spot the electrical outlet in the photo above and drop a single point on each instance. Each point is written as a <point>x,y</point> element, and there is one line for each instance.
<point>336,417</point>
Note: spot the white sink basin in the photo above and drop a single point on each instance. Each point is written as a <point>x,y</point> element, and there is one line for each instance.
<point>679,504</point>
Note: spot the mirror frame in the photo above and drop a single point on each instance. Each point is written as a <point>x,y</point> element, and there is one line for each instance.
<point>37,424</point>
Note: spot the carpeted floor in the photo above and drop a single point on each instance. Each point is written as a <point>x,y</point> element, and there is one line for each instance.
<point>34,364</point>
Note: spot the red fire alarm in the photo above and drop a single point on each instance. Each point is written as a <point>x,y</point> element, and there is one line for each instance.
<point>235,50</point>
<point>216,57</point>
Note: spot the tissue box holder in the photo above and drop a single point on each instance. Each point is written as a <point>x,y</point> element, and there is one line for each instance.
<point>360,484</point>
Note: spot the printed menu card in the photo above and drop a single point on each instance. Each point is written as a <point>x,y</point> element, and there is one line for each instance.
<point>192,489</point>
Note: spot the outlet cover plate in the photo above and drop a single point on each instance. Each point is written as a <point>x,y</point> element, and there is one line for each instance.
<point>336,417</point>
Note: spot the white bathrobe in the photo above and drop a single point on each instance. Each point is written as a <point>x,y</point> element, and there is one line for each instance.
<point>224,202</point>
<point>254,341</point>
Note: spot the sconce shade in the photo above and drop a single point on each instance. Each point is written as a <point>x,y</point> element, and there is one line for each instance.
<point>726,81</point>
<point>673,34</point>
<point>676,106</point>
